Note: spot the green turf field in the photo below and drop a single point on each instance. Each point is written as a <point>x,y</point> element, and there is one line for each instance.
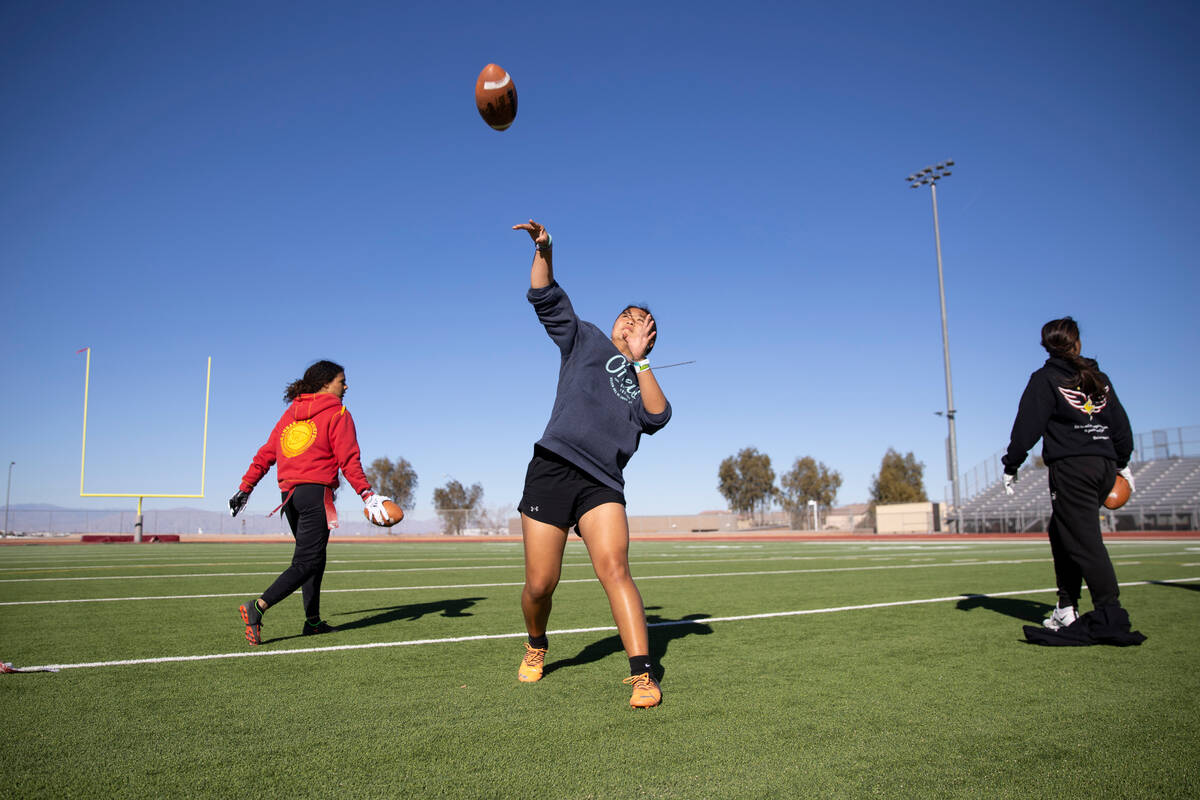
<point>157,693</point>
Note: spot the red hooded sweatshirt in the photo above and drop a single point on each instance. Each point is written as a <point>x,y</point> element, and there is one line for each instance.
<point>313,439</point>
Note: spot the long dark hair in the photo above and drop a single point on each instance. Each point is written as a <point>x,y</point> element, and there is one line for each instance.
<point>316,378</point>
<point>1059,337</point>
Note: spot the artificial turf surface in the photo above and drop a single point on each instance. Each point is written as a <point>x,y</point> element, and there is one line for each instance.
<point>935,699</point>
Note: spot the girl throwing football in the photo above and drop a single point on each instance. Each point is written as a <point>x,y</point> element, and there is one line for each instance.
<point>607,398</point>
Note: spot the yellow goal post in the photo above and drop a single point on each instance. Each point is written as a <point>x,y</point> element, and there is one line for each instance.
<point>137,530</point>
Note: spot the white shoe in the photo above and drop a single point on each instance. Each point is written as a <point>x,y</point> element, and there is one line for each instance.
<point>1061,618</point>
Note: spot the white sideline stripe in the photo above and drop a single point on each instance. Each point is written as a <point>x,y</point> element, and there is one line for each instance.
<point>522,583</point>
<point>598,629</point>
<point>881,552</point>
<point>467,568</point>
<point>67,566</point>
<point>863,548</point>
<point>499,566</point>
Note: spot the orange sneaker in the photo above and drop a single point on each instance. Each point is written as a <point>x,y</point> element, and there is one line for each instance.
<point>252,616</point>
<point>531,665</point>
<point>646,693</point>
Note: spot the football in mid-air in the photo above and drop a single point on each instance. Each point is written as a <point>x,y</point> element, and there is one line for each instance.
<point>1118,495</point>
<point>395,514</point>
<point>496,97</point>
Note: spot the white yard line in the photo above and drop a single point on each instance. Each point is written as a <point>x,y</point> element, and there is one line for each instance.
<point>757,573</point>
<point>519,565</point>
<point>395,570</point>
<point>865,551</point>
<point>598,629</point>
<point>513,583</point>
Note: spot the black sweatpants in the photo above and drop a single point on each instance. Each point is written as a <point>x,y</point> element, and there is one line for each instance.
<point>1078,486</point>
<point>305,511</point>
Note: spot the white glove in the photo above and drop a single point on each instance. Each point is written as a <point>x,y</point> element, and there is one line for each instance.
<point>1009,481</point>
<point>1127,474</point>
<point>376,510</point>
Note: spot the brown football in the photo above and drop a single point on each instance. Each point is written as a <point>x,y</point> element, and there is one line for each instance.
<point>1119,494</point>
<point>395,514</point>
<point>496,97</point>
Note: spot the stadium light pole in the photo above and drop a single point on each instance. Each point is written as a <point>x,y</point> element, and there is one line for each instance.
<point>930,176</point>
<point>7,491</point>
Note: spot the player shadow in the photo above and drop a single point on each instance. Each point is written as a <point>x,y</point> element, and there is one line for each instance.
<point>381,616</point>
<point>1195,587</point>
<point>662,632</point>
<point>1022,609</point>
<point>411,612</point>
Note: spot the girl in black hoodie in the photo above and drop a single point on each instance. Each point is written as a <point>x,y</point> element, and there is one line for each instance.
<point>1086,440</point>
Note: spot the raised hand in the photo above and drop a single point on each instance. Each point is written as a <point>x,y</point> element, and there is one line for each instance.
<point>537,232</point>
<point>640,337</point>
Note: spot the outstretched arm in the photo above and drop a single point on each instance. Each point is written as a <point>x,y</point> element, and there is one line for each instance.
<point>541,274</point>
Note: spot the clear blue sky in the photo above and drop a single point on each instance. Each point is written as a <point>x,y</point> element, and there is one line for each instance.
<point>271,183</point>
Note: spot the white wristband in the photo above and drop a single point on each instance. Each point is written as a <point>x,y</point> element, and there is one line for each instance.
<point>542,248</point>
<point>642,366</point>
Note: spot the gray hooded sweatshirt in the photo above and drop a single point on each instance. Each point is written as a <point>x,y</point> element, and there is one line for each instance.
<point>598,417</point>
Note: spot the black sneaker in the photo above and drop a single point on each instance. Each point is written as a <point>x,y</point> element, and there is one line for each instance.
<point>252,616</point>
<point>321,627</point>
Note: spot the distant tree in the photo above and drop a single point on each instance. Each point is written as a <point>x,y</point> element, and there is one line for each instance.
<point>747,481</point>
<point>396,480</point>
<point>493,520</point>
<point>900,480</point>
<point>807,480</point>
<point>457,505</point>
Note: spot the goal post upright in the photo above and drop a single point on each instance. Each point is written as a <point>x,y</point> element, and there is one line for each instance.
<point>137,528</point>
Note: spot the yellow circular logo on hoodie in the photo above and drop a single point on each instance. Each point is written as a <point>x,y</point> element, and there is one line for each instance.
<point>297,437</point>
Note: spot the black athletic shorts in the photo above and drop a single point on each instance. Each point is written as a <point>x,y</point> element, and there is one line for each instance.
<point>558,493</point>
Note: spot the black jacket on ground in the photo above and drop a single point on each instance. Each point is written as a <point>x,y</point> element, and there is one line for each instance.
<point>1068,421</point>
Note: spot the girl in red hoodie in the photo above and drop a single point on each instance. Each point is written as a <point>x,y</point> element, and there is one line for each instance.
<point>313,439</point>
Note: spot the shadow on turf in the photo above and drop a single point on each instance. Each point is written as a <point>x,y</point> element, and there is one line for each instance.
<point>412,612</point>
<point>1195,587</point>
<point>447,608</point>
<point>1027,610</point>
<point>662,632</point>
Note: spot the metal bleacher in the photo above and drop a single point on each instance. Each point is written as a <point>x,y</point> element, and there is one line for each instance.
<point>1166,498</point>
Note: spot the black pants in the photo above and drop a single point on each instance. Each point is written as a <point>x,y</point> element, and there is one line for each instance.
<point>1078,486</point>
<point>305,512</point>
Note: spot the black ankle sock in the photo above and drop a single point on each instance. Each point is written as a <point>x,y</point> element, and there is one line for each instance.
<point>313,621</point>
<point>539,642</point>
<point>640,664</point>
